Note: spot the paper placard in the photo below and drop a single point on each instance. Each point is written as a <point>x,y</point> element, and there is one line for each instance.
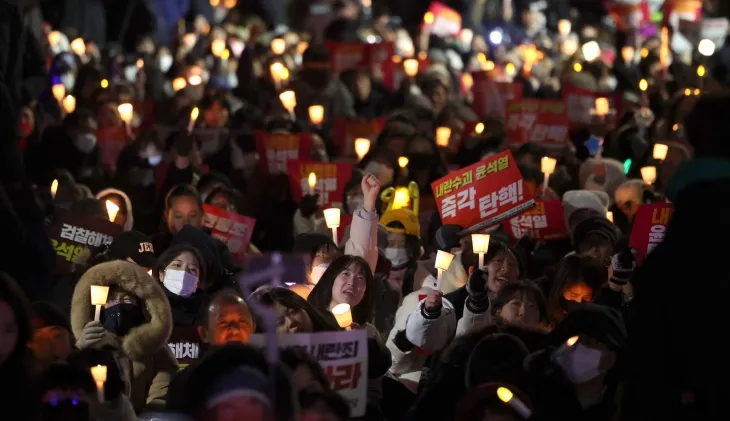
<point>331,180</point>
<point>543,222</point>
<point>650,224</point>
<point>231,228</point>
<point>541,121</point>
<point>277,149</point>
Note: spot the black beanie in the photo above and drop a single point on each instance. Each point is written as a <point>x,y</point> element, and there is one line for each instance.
<point>46,314</point>
<point>601,323</point>
<point>598,225</point>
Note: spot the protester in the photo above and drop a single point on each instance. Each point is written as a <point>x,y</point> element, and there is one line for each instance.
<point>225,319</point>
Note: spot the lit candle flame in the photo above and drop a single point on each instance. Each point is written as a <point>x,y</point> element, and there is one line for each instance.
<point>112,209</point>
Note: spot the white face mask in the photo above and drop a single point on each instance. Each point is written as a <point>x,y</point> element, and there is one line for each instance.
<point>180,282</point>
<point>165,62</point>
<point>317,272</point>
<point>579,362</point>
<point>397,256</point>
<point>85,142</point>
<point>68,81</point>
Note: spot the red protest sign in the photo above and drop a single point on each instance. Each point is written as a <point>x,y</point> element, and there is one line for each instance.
<point>365,56</point>
<point>541,121</point>
<point>76,237</point>
<point>491,97</point>
<point>580,101</point>
<point>276,149</point>
<point>482,194</point>
<point>543,222</point>
<point>233,229</point>
<point>650,223</point>
<point>347,130</point>
<point>330,183</point>
<point>441,20</point>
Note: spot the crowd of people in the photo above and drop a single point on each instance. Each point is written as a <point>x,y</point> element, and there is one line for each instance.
<point>130,128</point>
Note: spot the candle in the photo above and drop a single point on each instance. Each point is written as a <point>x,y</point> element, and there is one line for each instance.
<point>480,245</point>
<point>627,53</point>
<point>660,151</point>
<point>217,47</point>
<point>343,315</point>
<point>54,188</point>
<point>140,63</point>
<point>648,174</point>
<point>99,375</point>
<point>112,210</point>
<point>59,91</point>
<point>104,83</point>
<point>278,46</point>
<point>189,40</point>
<point>226,54</point>
<point>571,341</point>
<point>312,182</point>
<point>664,48</point>
<point>193,118</point>
<point>54,37</point>
<point>402,161</point>
<point>443,134</point>
<point>178,84</point>
<point>126,112</point>
<point>362,146</point>
<point>289,101</point>
<point>602,107</point>
<point>443,261</point>
<point>467,80</point>
<point>506,396</point>
<point>643,85</point>
<point>547,166</point>
<point>410,66</point>
<point>302,47</point>
<point>510,69</point>
<point>701,71</point>
<point>591,51</point>
<point>577,67</point>
<point>69,104</point>
<point>609,216</point>
<point>98,298</point>
<point>316,114</point>
<point>78,47</point>
<point>479,128</point>
<point>195,80</point>
<point>275,70</point>
<point>564,27</point>
<point>332,219</point>
<point>401,197</point>
<point>706,47</point>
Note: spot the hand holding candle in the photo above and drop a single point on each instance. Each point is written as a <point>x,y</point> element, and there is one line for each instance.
<point>332,218</point>
<point>547,166</point>
<point>443,261</point>
<point>506,396</point>
<point>126,113</point>
<point>410,67</point>
<point>289,102</point>
<point>480,245</point>
<point>660,152</point>
<point>98,298</point>
<point>99,375</point>
<point>648,174</point>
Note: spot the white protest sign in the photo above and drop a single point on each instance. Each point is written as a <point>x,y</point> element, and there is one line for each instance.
<point>343,357</point>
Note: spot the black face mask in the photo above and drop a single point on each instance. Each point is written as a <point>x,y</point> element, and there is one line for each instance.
<point>422,161</point>
<point>568,305</point>
<point>121,318</point>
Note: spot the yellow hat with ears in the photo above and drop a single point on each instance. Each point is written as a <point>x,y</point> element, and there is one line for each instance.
<point>397,210</point>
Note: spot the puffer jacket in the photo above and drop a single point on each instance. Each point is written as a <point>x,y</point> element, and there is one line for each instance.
<point>147,363</point>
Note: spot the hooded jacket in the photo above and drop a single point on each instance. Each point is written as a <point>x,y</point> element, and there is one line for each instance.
<point>129,223</point>
<point>149,364</point>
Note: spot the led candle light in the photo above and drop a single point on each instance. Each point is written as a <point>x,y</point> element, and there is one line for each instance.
<point>701,71</point>
<point>276,69</point>
<point>609,216</point>
<point>706,47</point>
<point>480,245</point>
<point>189,40</point>
<point>54,37</point>
<point>648,174</point>
<point>312,181</point>
<point>660,151</point>
<point>443,261</point>
<point>69,104</point>
<point>99,375</point>
<point>402,161</point>
<point>193,118</point>
<point>54,188</point>
<point>98,298</point>
<point>510,69</point>
<point>226,54</point>
<point>591,51</point>
<point>577,67</point>
<point>479,128</point>
<point>547,166</point>
<point>126,112</point>
<point>289,101</point>
<point>401,197</point>
<point>59,91</point>
<point>564,27</point>
<point>332,218</point>
<point>602,107</point>
<point>78,47</point>
<point>104,83</point>
<point>506,396</point>
<point>443,134</point>
<point>217,46</point>
<point>195,80</point>
<point>112,210</point>
<point>179,84</point>
<point>316,114</point>
<point>302,47</point>
<point>278,46</point>
<point>362,147</point>
<point>627,53</point>
<point>571,341</point>
<point>343,315</point>
<point>140,63</point>
<point>467,80</point>
<point>643,85</point>
<point>410,67</point>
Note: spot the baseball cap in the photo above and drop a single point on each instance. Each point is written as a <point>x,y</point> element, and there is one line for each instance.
<point>133,245</point>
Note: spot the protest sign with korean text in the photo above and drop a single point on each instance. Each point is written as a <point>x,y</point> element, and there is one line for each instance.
<point>347,130</point>
<point>482,194</point>
<point>76,238</point>
<point>650,224</point>
<point>541,121</point>
<point>186,345</point>
<point>491,97</point>
<point>331,180</point>
<point>580,101</point>
<point>543,222</point>
<point>233,229</point>
<point>276,149</point>
<point>343,357</point>
<point>372,57</point>
<point>441,20</point>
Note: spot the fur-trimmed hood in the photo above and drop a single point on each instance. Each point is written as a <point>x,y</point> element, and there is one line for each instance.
<point>143,340</point>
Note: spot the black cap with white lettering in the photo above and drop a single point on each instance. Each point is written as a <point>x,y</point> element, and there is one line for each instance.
<point>135,246</point>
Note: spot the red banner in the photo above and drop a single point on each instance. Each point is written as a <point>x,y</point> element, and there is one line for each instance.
<point>233,229</point>
<point>276,149</point>
<point>650,223</point>
<point>543,222</point>
<point>347,130</point>
<point>375,58</point>
<point>441,20</point>
<point>580,102</point>
<point>541,121</point>
<point>483,194</point>
<point>491,97</point>
<point>331,180</point>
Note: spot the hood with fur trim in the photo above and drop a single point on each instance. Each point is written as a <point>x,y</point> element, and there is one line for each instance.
<point>128,203</point>
<point>143,340</point>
